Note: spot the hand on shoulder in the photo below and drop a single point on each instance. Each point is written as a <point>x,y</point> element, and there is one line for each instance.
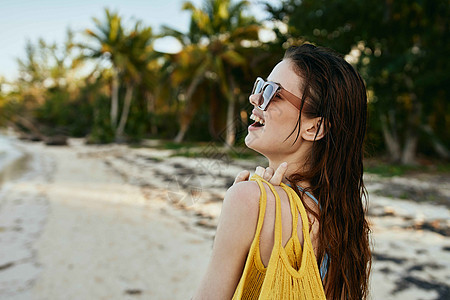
<point>274,177</point>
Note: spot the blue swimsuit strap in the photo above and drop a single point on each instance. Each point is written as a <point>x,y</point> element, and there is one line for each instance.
<point>325,261</point>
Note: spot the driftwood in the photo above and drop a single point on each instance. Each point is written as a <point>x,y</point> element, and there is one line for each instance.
<point>35,134</point>
<point>56,140</point>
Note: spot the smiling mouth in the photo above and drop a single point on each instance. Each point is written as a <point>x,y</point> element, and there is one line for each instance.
<point>258,121</point>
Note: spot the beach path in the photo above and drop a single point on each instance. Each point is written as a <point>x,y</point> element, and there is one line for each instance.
<point>104,240</point>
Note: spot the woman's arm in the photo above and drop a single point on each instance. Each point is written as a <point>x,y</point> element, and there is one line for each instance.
<point>234,235</point>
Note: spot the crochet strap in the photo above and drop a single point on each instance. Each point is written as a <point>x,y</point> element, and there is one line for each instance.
<point>262,206</point>
<point>278,223</point>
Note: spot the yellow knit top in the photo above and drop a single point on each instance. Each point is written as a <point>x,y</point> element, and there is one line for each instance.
<point>292,272</point>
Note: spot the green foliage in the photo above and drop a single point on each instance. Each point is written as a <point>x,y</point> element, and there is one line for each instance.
<point>138,124</point>
<point>167,124</point>
<point>373,143</point>
<point>101,132</point>
<point>390,170</point>
<point>133,66</point>
<point>61,115</point>
<point>9,106</point>
<point>211,150</point>
<point>400,49</point>
<point>387,169</point>
<point>168,144</point>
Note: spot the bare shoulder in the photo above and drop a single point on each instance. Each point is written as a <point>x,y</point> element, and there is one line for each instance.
<point>239,215</point>
<point>243,196</point>
<point>278,189</point>
<point>242,199</point>
<point>248,193</point>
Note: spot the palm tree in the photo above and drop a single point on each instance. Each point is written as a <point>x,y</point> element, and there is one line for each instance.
<point>139,66</point>
<point>48,71</point>
<point>217,34</point>
<point>108,38</point>
<point>129,54</point>
<point>187,74</point>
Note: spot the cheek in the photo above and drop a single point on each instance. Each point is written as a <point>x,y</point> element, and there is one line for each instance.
<point>282,121</point>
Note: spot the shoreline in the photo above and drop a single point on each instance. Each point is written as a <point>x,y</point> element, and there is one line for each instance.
<point>13,160</point>
<point>23,213</point>
<point>86,233</point>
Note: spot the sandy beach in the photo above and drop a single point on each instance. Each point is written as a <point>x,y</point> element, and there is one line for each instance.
<point>115,222</point>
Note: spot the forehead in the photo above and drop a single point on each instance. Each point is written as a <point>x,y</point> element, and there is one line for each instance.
<point>284,74</point>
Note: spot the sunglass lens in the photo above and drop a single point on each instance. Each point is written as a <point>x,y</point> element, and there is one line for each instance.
<point>268,90</point>
<point>258,86</point>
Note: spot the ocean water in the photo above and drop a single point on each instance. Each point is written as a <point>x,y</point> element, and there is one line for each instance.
<point>10,158</point>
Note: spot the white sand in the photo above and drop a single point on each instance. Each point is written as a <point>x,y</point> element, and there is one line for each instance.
<point>112,222</point>
<point>102,238</point>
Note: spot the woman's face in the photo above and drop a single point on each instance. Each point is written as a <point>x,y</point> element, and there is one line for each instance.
<point>280,118</point>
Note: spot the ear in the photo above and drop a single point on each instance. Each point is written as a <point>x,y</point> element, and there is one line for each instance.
<point>313,129</point>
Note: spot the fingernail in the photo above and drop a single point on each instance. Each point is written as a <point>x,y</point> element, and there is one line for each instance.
<point>284,164</point>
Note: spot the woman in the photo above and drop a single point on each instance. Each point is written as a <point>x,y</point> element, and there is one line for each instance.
<point>310,113</point>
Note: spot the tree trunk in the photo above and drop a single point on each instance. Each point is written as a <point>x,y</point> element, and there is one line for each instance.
<point>214,115</point>
<point>392,143</point>
<point>181,133</point>
<point>231,125</point>
<point>186,119</point>
<point>411,138</point>
<point>409,149</point>
<point>190,108</point>
<point>114,98</point>
<point>151,109</point>
<point>405,155</point>
<point>125,111</point>
<point>28,125</point>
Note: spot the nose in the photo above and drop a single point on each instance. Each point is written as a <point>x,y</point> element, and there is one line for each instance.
<point>254,99</point>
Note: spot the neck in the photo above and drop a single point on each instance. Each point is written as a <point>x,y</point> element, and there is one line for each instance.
<point>294,166</point>
<point>295,158</point>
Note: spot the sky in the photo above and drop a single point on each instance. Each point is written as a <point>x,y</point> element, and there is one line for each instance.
<point>22,20</point>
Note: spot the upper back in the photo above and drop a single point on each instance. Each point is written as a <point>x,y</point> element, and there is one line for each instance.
<point>268,227</point>
<point>271,271</point>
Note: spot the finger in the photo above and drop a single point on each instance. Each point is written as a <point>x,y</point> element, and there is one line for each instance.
<point>242,176</point>
<point>260,171</point>
<point>268,173</point>
<point>279,174</point>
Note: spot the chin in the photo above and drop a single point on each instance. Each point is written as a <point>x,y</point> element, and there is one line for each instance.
<point>251,143</point>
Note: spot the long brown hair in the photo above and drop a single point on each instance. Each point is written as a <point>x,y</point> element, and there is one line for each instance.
<point>334,91</point>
